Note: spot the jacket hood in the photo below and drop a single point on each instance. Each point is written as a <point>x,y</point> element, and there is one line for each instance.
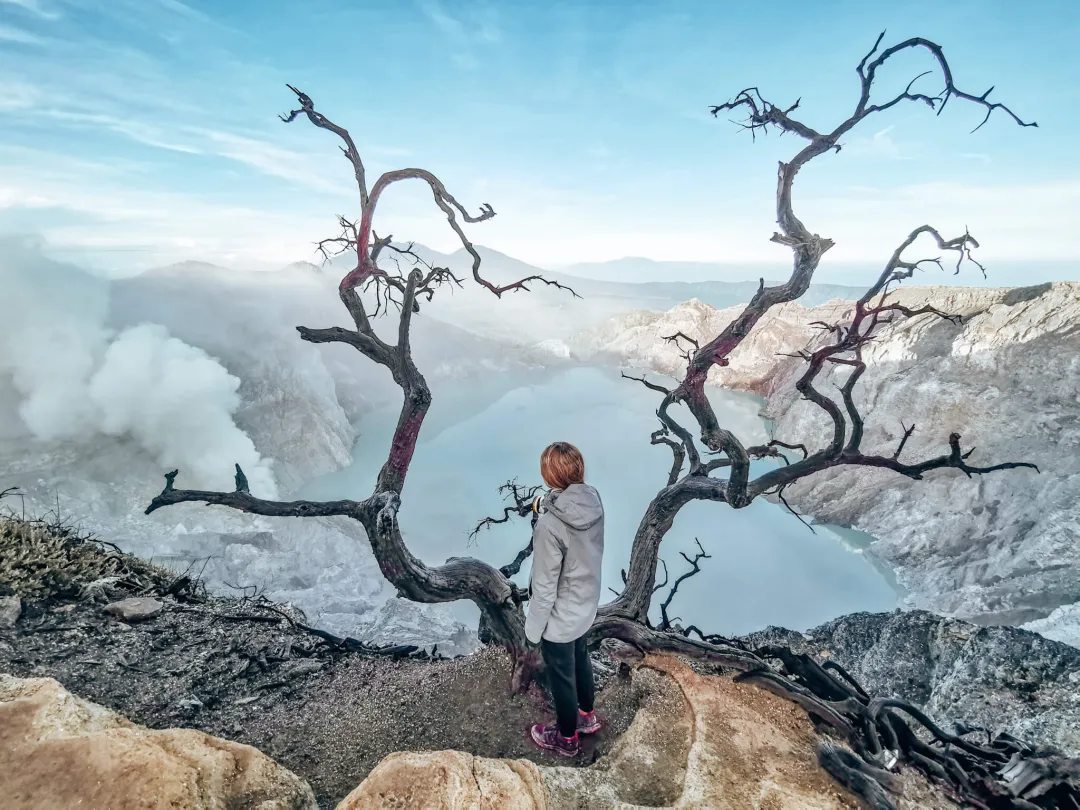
<point>578,506</point>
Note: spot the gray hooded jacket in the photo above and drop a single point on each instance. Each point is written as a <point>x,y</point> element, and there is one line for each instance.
<point>568,545</point>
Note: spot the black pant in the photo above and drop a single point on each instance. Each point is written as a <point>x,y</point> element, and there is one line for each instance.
<point>569,673</point>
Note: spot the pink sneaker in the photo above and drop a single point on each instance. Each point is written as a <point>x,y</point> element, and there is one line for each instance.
<point>588,723</point>
<point>548,738</point>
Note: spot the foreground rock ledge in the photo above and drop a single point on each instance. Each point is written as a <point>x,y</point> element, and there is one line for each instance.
<point>697,741</point>
<point>57,750</point>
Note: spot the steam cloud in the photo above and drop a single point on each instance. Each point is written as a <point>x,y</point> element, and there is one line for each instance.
<point>75,378</point>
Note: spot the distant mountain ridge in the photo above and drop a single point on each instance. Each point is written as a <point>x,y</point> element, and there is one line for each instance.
<point>638,269</point>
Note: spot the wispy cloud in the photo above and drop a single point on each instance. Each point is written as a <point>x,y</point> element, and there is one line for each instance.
<point>117,227</point>
<point>16,95</point>
<point>276,161</point>
<point>145,134</point>
<point>33,7</point>
<point>170,110</point>
<point>442,19</point>
<point>10,34</point>
<point>882,145</point>
<point>183,9</point>
<point>475,29</point>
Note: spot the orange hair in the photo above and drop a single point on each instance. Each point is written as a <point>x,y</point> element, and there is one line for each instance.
<point>561,465</point>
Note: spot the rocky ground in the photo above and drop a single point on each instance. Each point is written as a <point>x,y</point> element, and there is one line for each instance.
<point>242,669</point>
<point>154,647</point>
<point>998,678</point>
<point>1001,548</point>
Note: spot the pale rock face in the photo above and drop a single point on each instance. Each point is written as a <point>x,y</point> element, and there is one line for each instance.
<point>1063,624</point>
<point>449,779</point>
<point>1003,547</point>
<point>57,750</point>
<point>554,347</point>
<point>999,678</point>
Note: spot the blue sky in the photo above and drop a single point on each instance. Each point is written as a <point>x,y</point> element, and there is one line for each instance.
<point>140,132</point>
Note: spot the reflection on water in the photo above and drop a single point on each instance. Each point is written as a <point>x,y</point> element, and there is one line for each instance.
<point>766,567</point>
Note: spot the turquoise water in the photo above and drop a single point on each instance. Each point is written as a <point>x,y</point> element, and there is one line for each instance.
<point>766,567</point>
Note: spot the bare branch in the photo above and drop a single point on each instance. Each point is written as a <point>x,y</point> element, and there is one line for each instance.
<point>761,114</point>
<point>244,501</point>
<point>358,236</point>
<point>515,566</point>
<point>800,447</point>
<point>521,498</point>
<point>954,459</point>
<point>680,336</point>
<point>780,495</point>
<point>903,441</point>
<point>807,247</point>
<point>650,385</point>
<point>695,567</point>
<point>936,102</point>
<point>352,154</point>
<point>874,311</point>
<point>678,452</point>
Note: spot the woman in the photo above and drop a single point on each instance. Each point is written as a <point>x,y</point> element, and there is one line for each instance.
<point>564,587</point>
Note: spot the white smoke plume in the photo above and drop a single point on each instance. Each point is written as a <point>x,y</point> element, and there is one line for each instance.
<point>75,378</point>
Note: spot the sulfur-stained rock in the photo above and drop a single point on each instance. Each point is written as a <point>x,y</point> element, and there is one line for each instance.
<point>449,779</point>
<point>57,750</point>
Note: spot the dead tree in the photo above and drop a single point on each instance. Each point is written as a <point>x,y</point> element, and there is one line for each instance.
<point>713,466</point>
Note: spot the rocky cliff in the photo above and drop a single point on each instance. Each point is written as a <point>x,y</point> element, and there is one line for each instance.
<point>250,673</point>
<point>1002,548</point>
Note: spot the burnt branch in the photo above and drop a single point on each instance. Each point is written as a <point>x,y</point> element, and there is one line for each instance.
<point>650,385</point>
<point>515,566</point>
<point>244,501</point>
<point>807,247</point>
<point>867,72</point>
<point>678,453</point>
<point>844,342</point>
<point>770,450</point>
<point>358,236</point>
<point>695,568</point>
<point>873,311</point>
<point>903,440</point>
<point>762,114</point>
<point>791,509</point>
<point>858,777</point>
<point>521,498</point>
<point>680,336</point>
